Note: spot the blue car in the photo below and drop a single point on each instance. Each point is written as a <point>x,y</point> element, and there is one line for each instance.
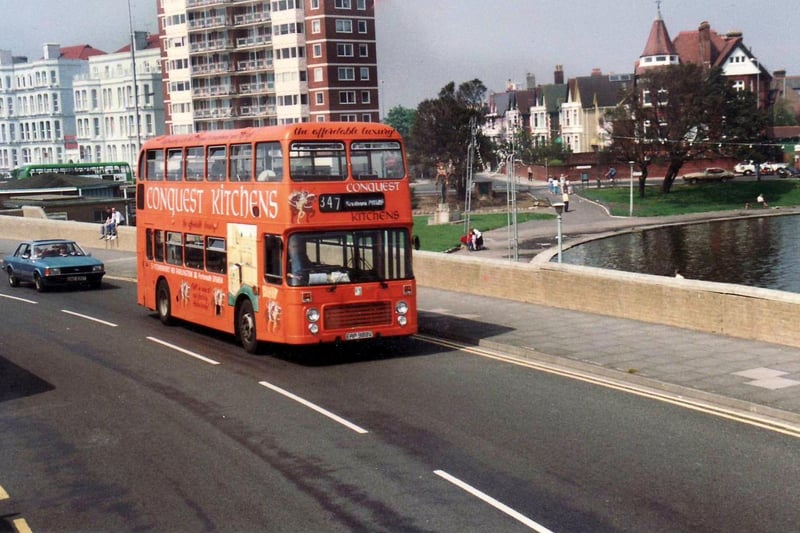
<point>53,263</point>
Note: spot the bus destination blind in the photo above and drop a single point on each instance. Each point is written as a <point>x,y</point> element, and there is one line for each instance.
<point>334,203</point>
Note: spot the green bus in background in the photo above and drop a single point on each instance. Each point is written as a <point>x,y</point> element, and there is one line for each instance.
<point>115,171</point>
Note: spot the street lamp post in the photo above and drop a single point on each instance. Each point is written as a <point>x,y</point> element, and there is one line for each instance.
<point>559,207</point>
<point>630,208</point>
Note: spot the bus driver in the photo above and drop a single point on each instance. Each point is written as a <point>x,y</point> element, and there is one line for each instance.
<point>299,262</point>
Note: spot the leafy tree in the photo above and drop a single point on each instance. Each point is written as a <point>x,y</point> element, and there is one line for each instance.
<point>784,114</point>
<point>679,113</point>
<point>402,119</point>
<point>443,129</point>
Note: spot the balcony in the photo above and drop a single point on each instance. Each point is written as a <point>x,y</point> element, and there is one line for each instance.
<point>194,4</point>
<point>251,111</point>
<point>208,22</point>
<point>212,91</point>
<point>245,19</point>
<point>210,68</point>
<point>214,113</point>
<point>252,41</point>
<point>212,45</point>
<point>247,89</point>
<point>253,65</point>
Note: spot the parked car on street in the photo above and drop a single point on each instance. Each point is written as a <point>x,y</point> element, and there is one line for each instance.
<point>748,168</point>
<point>709,174</point>
<point>51,263</point>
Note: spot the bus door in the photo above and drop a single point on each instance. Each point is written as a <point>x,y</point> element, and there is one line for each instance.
<point>242,263</point>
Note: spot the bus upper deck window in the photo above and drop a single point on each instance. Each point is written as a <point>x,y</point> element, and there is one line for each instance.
<point>155,165</point>
<point>317,161</point>
<point>377,160</point>
<point>269,162</point>
<point>174,164</point>
<point>241,162</point>
<point>217,163</point>
<point>194,163</point>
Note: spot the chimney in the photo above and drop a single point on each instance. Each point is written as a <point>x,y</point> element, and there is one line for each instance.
<point>779,74</point>
<point>52,51</point>
<point>530,81</point>
<point>139,40</point>
<point>597,72</point>
<point>704,38</point>
<point>558,75</point>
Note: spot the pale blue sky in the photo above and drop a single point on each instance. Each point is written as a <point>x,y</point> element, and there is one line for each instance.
<point>424,44</point>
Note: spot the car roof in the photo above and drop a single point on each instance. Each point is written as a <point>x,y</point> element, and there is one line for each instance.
<point>50,241</point>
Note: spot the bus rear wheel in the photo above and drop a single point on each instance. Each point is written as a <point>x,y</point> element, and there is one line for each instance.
<point>246,326</point>
<point>163,303</point>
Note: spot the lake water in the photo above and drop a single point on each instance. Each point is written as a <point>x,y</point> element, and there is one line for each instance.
<point>759,252</point>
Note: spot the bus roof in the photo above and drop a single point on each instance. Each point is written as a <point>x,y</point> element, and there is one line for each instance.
<point>302,131</point>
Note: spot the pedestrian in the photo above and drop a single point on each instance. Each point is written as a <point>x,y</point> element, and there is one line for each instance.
<point>561,180</point>
<point>551,184</point>
<point>611,175</point>
<point>761,201</point>
<point>530,174</point>
<point>475,240</point>
<point>565,199</point>
<point>678,274</point>
<point>104,225</point>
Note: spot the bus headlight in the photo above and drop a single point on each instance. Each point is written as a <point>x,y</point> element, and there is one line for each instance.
<point>312,314</point>
<point>402,320</point>
<point>401,308</point>
<point>313,328</point>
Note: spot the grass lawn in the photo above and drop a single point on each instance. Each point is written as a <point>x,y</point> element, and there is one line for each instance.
<point>685,199</point>
<point>442,237</point>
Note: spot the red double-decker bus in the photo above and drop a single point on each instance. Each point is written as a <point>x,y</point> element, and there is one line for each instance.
<point>295,234</point>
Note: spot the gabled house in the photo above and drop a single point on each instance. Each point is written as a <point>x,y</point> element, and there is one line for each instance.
<point>508,112</point>
<point>545,123</point>
<point>706,47</point>
<point>589,98</point>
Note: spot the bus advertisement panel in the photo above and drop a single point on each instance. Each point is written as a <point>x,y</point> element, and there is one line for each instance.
<point>296,234</point>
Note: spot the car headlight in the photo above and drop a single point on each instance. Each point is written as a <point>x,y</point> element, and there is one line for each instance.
<point>401,308</point>
<point>97,268</point>
<point>312,314</point>
<point>50,271</point>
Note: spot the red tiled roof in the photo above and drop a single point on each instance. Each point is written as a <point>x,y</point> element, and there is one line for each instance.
<point>80,51</point>
<point>658,43</point>
<point>153,41</point>
<point>705,47</point>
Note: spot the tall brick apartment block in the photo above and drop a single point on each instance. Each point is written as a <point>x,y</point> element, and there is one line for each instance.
<point>239,63</point>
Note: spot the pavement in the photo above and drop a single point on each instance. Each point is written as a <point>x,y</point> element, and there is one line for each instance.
<point>714,371</point>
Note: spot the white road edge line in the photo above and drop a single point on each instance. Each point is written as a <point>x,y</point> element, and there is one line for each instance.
<point>754,419</point>
<point>3,494</point>
<point>18,299</point>
<point>491,501</point>
<point>184,351</point>
<point>316,408</point>
<point>87,317</point>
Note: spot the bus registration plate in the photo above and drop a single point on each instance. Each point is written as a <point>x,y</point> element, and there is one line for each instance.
<point>356,335</point>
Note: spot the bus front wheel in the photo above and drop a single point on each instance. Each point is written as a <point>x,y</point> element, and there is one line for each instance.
<point>246,326</point>
<point>163,303</point>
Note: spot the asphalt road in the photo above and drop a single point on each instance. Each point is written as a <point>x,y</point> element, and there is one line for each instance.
<point>111,421</point>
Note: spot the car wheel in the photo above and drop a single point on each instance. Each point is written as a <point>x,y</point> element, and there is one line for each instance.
<point>38,282</point>
<point>163,303</point>
<point>246,326</point>
<point>12,279</point>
